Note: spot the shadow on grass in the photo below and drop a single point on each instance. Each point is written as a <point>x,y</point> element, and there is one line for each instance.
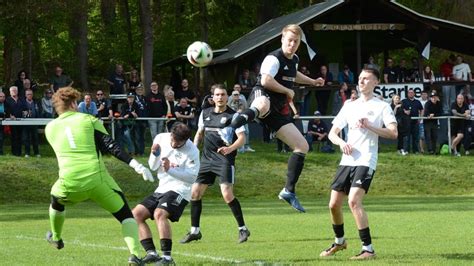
<point>459,256</point>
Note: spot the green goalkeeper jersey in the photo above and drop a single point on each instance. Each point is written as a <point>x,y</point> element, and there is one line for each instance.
<point>71,135</point>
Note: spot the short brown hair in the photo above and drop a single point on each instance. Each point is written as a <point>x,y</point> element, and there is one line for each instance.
<point>63,98</point>
<point>180,131</point>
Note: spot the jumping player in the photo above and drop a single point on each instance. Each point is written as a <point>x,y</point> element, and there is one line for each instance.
<point>365,118</point>
<point>218,159</point>
<point>269,104</point>
<point>79,140</point>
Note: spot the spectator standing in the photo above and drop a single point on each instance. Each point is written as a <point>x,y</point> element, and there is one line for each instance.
<point>244,80</point>
<point>15,110</point>
<point>433,108</point>
<point>186,93</point>
<point>170,104</point>
<point>460,109</point>
<point>468,132</point>
<point>88,106</point>
<point>340,97</point>
<point>390,74</point>
<point>27,85</point>
<point>446,68</point>
<point>2,117</point>
<point>140,125</point>
<point>238,103</point>
<point>304,110</point>
<point>423,100</point>
<point>402,71</point>
<point>104,106</point>
<point>22,75</point>
<point>414,71</point>
<point>413,108</point>
<point>461,71</point>
<point>317,131</point>
<point>31,109</point>
<point>371,64</point>
<point>428,75</point>
<point>133,82</point>
<point>59,80</point>
<point>322,96</point>
<point>116,80</point>
<point>345,76</point>
<point>129,112</point>
<point>403,125</point>
<point>156,105</point>
<point>47,104</point>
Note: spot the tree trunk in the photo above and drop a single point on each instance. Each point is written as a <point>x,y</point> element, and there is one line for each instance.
<point>266,11</point>
<point>78,30</point>
<point>203,74</point>
<point>107,11</point>
<point>128,20</point>
<point>147,42</point>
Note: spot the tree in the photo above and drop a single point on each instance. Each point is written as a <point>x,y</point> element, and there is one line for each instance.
<point>146,26</point>
<point>78,34</point>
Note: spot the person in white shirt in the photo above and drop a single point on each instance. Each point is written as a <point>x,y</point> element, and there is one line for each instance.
<point>461,71</point>
<point>365,118</point>
<point>176,160</point>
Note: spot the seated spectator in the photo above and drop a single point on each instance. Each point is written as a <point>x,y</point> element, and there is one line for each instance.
<point>461,71</point>
<point>47,104</point>
<point>134,81</point>
<point>446,68</point>
<point>59,80</point>
<point>345,76</point>
<point>403,125</point>
<point>389,72</point>
<point>3,114</point>
<point>428,75</point>
<point>402,71</point>
<point>129,112</point>
<point>238,104</point>
<point>317,131</point>
<point>459,109</point>
<point>322,96</point>
<point>88,106</point>
<point>104,106</point>
<point>31,109</point>
<point>183,112</point>
<point>433,108</point>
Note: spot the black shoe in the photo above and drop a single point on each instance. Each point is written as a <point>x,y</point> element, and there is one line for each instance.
<point>239,120</point>
<point>243,235</point>
<point>164,261</point>
<point>190,237</point>
<point>57,244</point>
<point>151,257</point>
<point>134,260</point>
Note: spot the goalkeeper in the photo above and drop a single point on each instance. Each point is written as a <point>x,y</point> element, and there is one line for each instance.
<point>79,140</point>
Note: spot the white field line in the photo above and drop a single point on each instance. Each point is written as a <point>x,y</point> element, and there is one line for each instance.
<point>185,254</point>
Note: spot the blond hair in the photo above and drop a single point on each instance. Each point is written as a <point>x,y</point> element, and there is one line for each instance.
<point>64,97</point>
<point>295,29</point>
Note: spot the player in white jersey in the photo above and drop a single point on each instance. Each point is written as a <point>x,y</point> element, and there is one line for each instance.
<point>365,118</point>
<point>176,159</point>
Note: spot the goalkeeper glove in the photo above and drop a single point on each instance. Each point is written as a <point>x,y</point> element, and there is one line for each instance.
<point>141,170</point>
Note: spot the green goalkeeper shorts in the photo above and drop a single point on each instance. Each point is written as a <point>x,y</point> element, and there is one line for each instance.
<point>105,194</point>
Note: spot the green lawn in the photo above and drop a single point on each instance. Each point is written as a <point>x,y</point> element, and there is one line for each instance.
<point>406,230</point>
<point>420,209</point>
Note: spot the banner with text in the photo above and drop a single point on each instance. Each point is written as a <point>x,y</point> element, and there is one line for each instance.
<point>388,90</point>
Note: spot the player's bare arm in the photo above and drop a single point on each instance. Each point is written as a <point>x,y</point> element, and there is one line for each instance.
<point>390,132</point>
<point>237,144</point>
<point>198,136</point>
<point>303,79</point>
<point>334,138</point>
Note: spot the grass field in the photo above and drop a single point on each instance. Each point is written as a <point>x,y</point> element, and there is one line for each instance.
<point>406,230</point>
<point>421,211</point>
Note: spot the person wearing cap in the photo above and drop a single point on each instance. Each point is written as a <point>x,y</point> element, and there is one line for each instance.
<point>87,106</point>
<point>368,118</point>
<point>433,108</point>
<point>129,112</point>
<point>47,104</point>
<point>317,131</point>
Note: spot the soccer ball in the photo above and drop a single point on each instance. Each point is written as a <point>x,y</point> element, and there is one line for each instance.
<point>199,54</point>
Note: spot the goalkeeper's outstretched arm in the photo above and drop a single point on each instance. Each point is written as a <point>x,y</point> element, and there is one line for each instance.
<point>107,144</point>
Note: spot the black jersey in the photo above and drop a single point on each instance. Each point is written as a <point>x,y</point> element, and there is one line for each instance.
<point>286,76</point>
<point>212,124</point>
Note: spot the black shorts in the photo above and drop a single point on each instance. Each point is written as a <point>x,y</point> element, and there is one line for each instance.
<point>352,176</point>
<point>457,126</point>
<point>208,172</point>
<point>170,201</point>
<point>274,120</point>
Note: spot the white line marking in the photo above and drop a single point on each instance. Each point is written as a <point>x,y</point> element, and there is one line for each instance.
<point>185,254</point>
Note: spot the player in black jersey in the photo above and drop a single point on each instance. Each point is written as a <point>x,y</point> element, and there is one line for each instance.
<point>218,156</point>
<point>270,104</point>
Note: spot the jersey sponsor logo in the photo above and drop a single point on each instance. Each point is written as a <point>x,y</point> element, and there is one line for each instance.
<point>223,120</point>
<point>292,79</point>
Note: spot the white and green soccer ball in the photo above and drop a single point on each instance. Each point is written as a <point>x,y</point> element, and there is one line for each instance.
<point>199,54</point>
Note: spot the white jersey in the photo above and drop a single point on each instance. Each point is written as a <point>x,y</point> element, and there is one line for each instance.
<point>461,71</point>
<point>184,166</point>
<point>364,142</point>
